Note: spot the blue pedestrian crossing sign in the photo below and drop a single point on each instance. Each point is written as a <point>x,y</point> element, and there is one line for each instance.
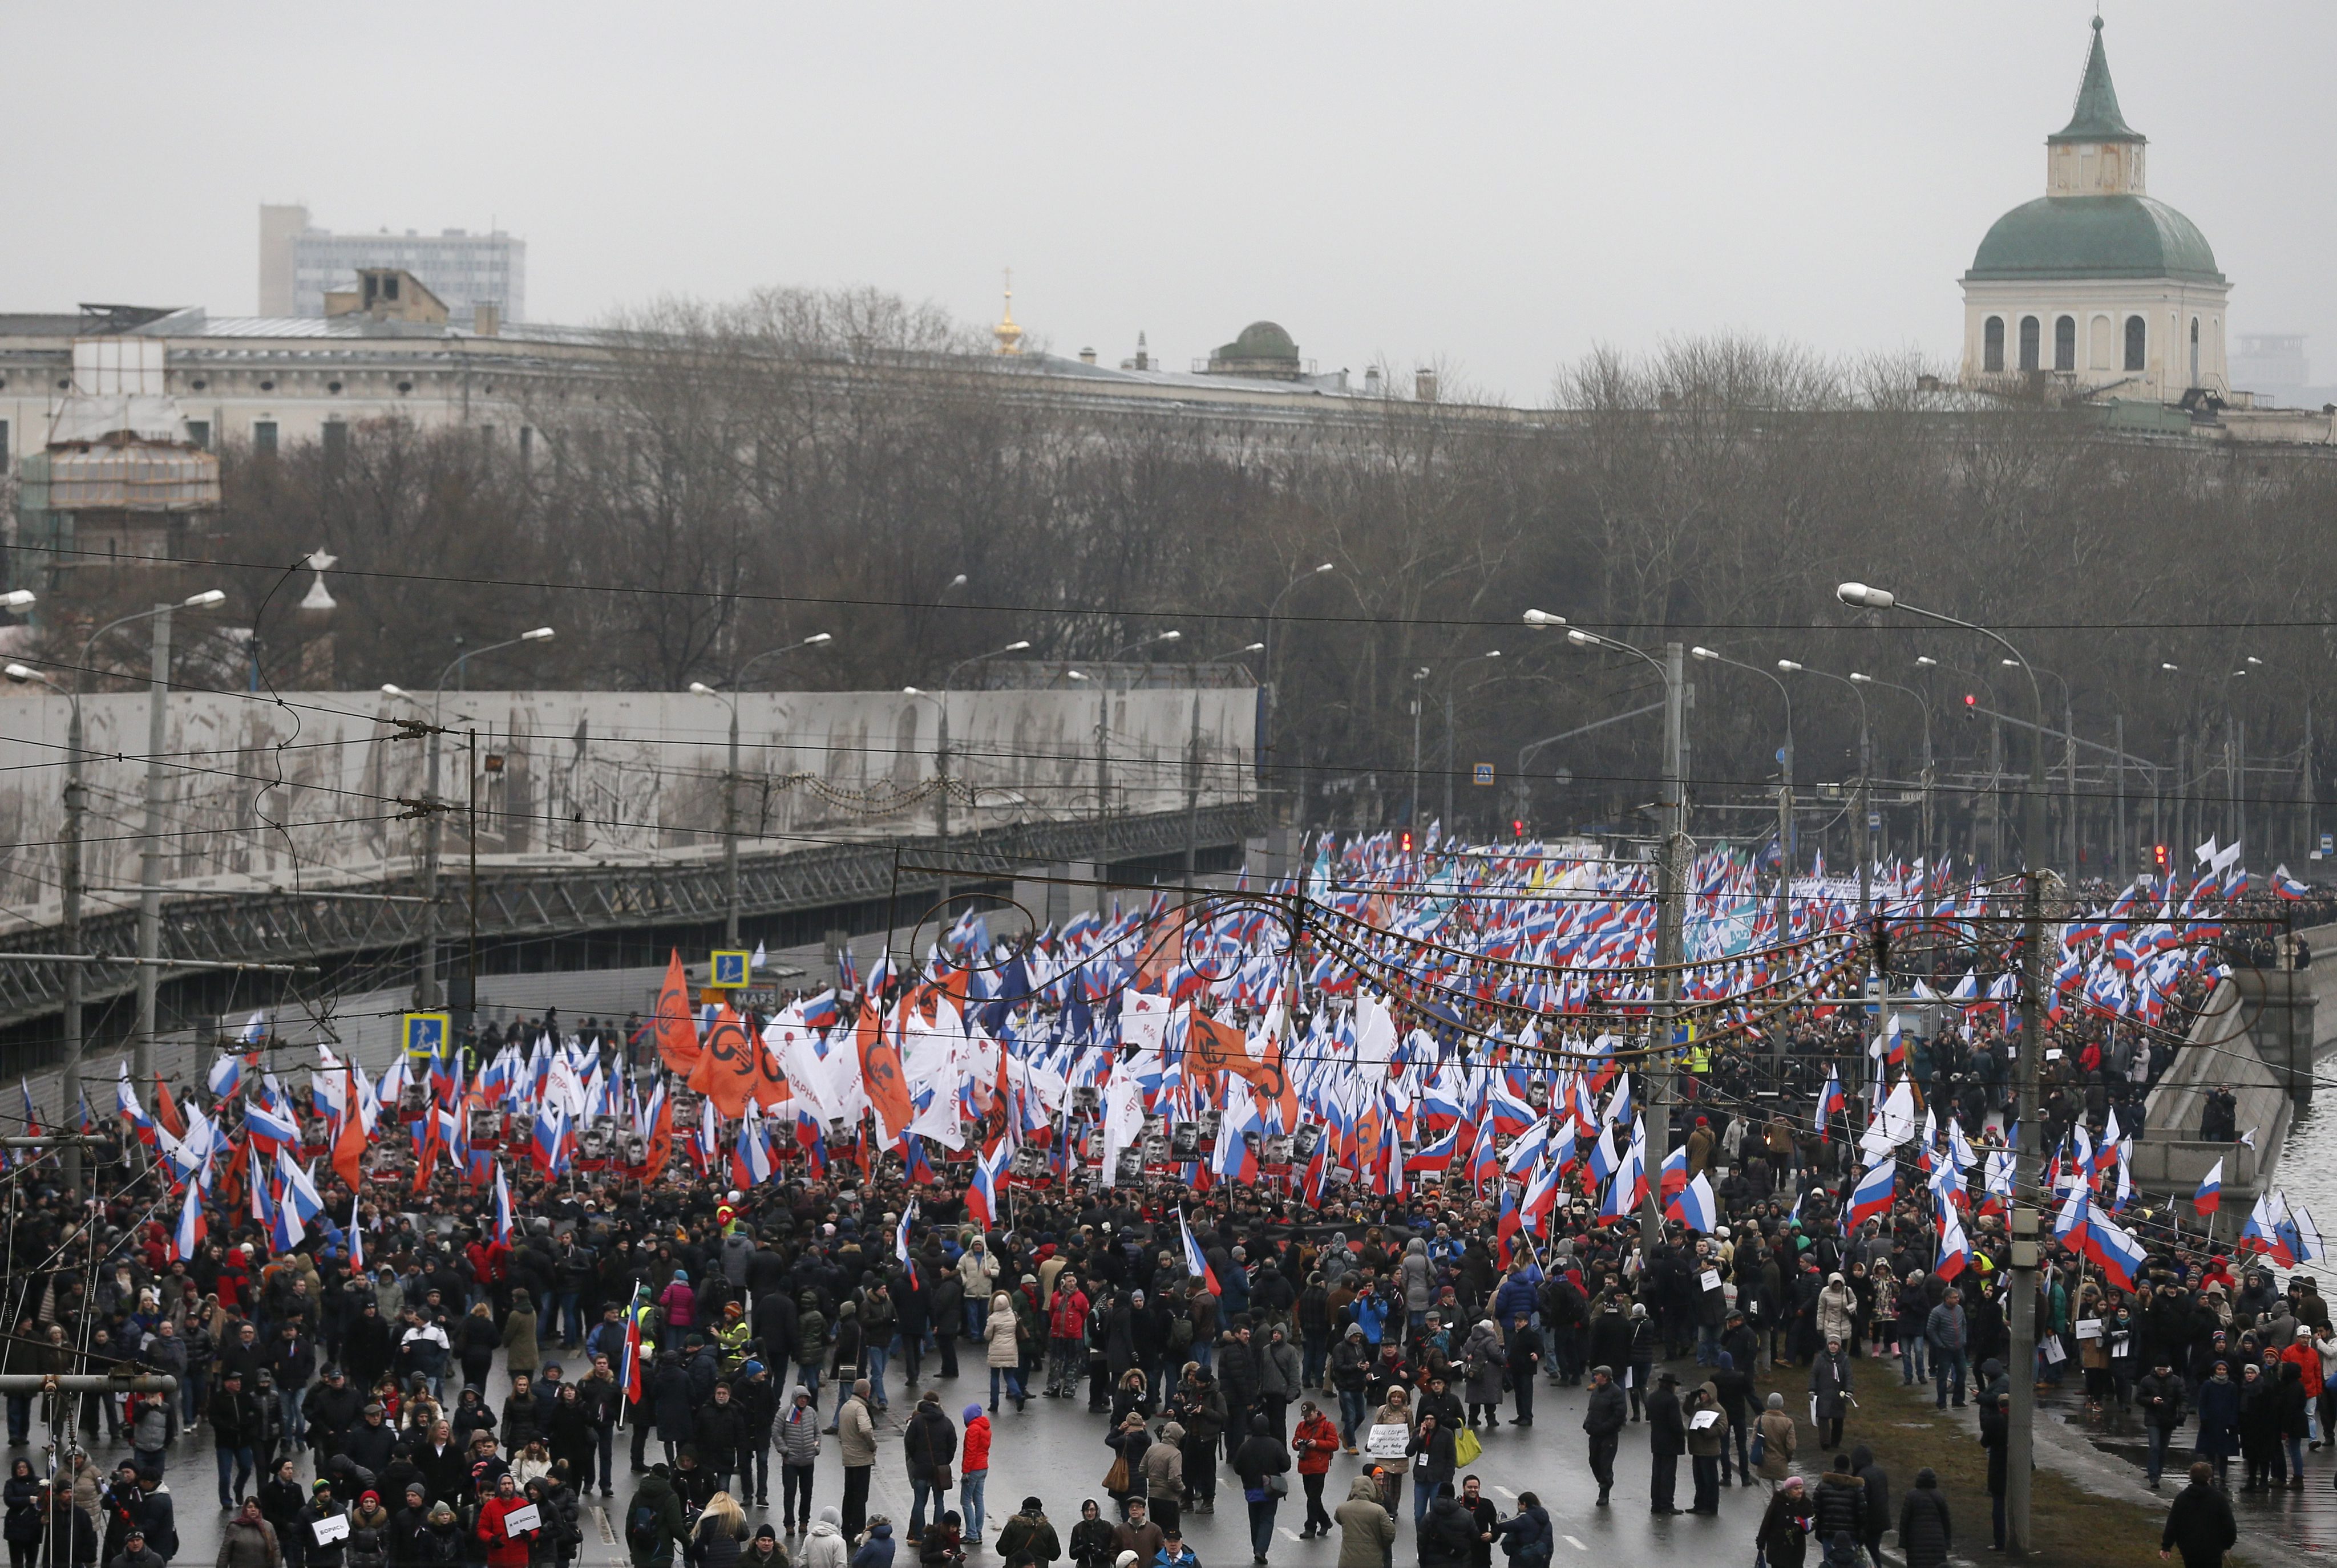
<point>730,967</point>
<point>424,1034</point>
<point>1483,774</point>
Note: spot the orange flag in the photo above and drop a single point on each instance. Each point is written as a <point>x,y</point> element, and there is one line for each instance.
<point>881,1074</point>
<point>349,1145</point>
<point>726,1071</point>
<point>1211,1045</point>
<point>677,1028</point>
<point>166,1110</point>
<point>660,1148</point>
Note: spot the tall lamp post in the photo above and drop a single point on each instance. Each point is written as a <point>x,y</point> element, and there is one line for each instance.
<point>1924,703</point>
<point>1103,710</point>
<point>1193,758</point>
<point>1273,705</point>
<point>1860,828</point>
<point>942,752</point>
<point>1450,686</point>
<point>730,779</point>
<point>1785,861</point>
<point>2068,769</point>
<point>1670,875</point>
<point>429,992</point>
<point>2020,1433</point>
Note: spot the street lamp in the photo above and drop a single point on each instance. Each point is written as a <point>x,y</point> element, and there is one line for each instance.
<point>1860,827</point>
<point>149,856</point>
<point>1785,859</point>
<point>1102,682</point>
<point>1193,753</point>
<point>730,777</point>
<point>1272,707</point>
<point>2023,1218</point>
<point>1450,686</point>
<point>70,877</point>
<point>1925,704</point>
<point>1670,876</point>
<point>942,752</point>
<point>18,599</point>
<point>430,994</point>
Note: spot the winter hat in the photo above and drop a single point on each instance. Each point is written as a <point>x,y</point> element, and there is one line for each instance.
<point>971,1414</point>
<point>749,1369</point>
<point>766,1534</point>
<point>681,1276</point>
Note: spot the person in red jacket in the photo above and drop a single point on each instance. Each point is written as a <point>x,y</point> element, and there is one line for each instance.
<point>505,1549</point>
<point>973,1470</point>
<point>1067,1327</point>
<point>1314,1442</point>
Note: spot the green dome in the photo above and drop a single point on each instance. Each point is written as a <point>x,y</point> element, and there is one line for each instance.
<point>1261,340</point>
<point>2059,237</point>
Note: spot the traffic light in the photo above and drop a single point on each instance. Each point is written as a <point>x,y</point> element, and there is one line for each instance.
<point>1405,842</point>
<point>1971,706</point>
<point>1517,829</point>
<point>2158,856</point>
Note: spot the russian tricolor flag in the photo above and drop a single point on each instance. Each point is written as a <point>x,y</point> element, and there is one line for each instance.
<point>1694,1207</point>
<point>1196,1264</point>
<point>188,1236</point>
<point>1873,1195</point>
<point>2210,1195</point>
<point>1831,1102</point>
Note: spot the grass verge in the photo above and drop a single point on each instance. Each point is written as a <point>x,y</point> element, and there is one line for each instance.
<point>1907,1431</point>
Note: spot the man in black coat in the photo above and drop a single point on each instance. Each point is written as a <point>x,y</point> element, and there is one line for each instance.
<point>2199,1522</point>
<point>331,1408</point>
<point>235,1430</point>
<point>2160,1395</point>
<point>368,1443</point>
<point>1666,1441</point>
<point>1604,1422</point>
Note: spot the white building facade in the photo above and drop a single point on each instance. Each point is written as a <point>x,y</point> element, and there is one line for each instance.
<point>2095,288</point>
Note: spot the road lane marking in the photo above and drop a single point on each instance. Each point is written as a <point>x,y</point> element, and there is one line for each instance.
<point>1289,1533</point>
<point>1505,1492</point>
<point>1577,1545</point>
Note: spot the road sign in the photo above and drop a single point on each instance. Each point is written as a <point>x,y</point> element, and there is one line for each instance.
<point>2329,844</point>
<point>730,967</point>
<point>1482,773</point>
<point>425,1033</point>
<point>1874,822</point>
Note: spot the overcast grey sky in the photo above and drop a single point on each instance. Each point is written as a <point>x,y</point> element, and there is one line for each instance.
<point>1500,185</point>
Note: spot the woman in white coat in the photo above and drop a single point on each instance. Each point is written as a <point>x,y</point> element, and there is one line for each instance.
<point>1001,1335</point>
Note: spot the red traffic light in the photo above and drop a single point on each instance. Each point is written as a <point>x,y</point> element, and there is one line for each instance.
<point>1404,842</point>
<point>1517,827</point>
<point>2158,856</point>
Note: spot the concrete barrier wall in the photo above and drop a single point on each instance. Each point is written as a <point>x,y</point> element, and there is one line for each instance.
<point>257,789</point>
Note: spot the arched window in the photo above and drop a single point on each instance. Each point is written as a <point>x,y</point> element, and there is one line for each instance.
<point>2136,342</point>
<point>2195,351</point>
<point>1991,344</point>
<point>2028,330</point>
<point>2065,343</point>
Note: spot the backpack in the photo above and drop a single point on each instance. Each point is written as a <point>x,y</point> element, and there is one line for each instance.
<point>642,1527</point>
<point>1180,1332</point>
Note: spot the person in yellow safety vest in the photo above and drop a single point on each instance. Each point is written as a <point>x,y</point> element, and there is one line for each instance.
<point>1699,1059</point>
<point>730,1337</point>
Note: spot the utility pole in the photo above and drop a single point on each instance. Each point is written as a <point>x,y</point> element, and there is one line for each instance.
<point>2022,1220</point>
<point>433,998</point>
<point>1412,819</point>
<point>730,836</point>
<point>69,852</point>
<point>940,804</point>
<point>2123,862</point>
<point>1785,838</point>
<point>150,859</point>
<point>471,961</point>
<point>1670,911</point>
<point>1193,792</point>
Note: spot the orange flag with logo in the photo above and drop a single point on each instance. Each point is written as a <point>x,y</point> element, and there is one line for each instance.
<point>726,1071</point>
<point>1212,1045</point>
<point>677,1027</point>
<point>660,1147</point>
<point>881,1074</point>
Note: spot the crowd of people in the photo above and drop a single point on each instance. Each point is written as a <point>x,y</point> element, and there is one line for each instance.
<point>1356,1342</point>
